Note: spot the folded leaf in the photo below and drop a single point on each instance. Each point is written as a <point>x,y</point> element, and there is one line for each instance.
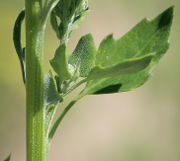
<point>17,42</point>
<point>52,96</point>
<point>146,37</point>
<point>70,14</point>
<point>60,65</point>
<point>83,57</point>
<point>126,67</point>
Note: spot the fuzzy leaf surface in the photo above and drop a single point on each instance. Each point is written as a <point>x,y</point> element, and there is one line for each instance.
<point>83,57</point>
<point>51,94</point>
<point>70,13</point>
<point>146,37</point>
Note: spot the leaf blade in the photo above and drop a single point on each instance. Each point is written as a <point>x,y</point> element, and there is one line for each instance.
<point>83,57</point>
<point>60,65</point>
<point>146,37</point>
<point>127,67</point>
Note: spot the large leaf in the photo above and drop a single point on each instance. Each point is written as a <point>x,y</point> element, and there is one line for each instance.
<point>146,37</point>
<point>83,57</point>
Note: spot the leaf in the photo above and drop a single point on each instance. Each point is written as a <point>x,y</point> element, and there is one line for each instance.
<point>126,67</point>
<point>83,57</point>
<point>17,42</point>
<point>60,65</point>
<point>52,96</point>
<point>8,158</point>
<point>70,13</point>
<point>146,37</point>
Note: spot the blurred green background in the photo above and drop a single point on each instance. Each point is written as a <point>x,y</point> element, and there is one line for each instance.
<point>142,125</point>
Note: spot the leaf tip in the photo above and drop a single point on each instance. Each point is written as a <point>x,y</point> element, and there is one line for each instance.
<point>8,158</point>
<point>87,37</point>
<point>166,17</point>
<point>110,36</point>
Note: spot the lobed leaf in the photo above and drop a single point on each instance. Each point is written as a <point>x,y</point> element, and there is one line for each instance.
<point>119,65</point>
<point>146,37</point>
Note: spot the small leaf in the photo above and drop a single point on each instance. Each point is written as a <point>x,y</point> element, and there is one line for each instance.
<point>145,37</point>
<point>70,13</point>
<point>52,96</point>
<point>83,57</point>
<point>17,42</point>
<point>8,158</point>
<point>60,65</point>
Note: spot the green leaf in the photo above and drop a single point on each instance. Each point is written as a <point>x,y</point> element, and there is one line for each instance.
<point>70,13</point>
<point>52,96</point>
<point>8,158</point>
<point>146,37</point>
<point>126,67</point>
<point>83,57</point>
<point>60,65</point>
<point>17,43</point>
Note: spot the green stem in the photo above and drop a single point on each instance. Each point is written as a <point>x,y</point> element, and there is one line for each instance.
<point>63,114</point>
<point>36,138</point>
<point>74,87</point>
<point>58,121</point>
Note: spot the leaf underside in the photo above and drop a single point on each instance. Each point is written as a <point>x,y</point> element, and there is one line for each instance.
<point>52,97</point>
<point>83,57</point>
<point>60,65</point>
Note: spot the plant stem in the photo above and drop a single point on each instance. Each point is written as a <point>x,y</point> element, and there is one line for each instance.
<point>62,115</point>
<point>36,139</point>
<point>74,87</point>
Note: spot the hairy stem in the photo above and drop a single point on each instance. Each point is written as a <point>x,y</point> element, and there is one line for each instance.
<point>36,140</point>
